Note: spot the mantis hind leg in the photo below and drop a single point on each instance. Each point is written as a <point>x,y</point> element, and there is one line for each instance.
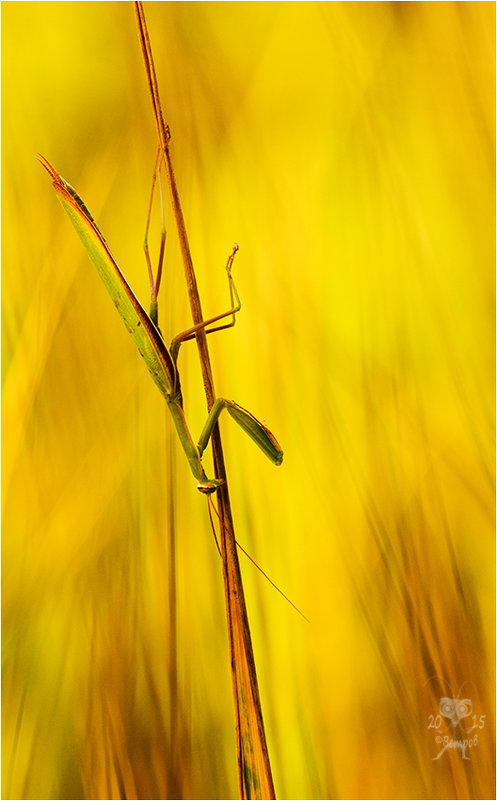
<point>155,282</point>
<point>261,435</point>
<point>236,305</point>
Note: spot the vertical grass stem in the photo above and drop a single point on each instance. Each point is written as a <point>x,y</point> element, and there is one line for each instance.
<point>254,770</point>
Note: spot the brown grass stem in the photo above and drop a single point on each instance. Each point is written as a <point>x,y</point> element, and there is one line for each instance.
<point>254,771</point>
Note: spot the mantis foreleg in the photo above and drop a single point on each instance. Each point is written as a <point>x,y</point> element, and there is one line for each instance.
<point>192,452</point>
<point>255,429</point>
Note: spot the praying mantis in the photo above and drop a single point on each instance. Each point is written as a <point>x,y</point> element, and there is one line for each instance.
<point>160,360</point>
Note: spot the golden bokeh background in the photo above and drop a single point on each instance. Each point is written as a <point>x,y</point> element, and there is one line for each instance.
<point>349,149</point>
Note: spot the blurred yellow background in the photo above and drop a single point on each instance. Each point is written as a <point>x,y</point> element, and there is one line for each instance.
<point>349,149</point>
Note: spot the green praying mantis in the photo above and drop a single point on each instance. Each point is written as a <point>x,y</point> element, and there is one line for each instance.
<point>160,360</point>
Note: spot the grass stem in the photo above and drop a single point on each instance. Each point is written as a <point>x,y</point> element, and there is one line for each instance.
<point>254,770</point>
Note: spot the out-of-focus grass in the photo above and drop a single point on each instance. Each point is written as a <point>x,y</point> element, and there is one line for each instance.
<point>348,148</point>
